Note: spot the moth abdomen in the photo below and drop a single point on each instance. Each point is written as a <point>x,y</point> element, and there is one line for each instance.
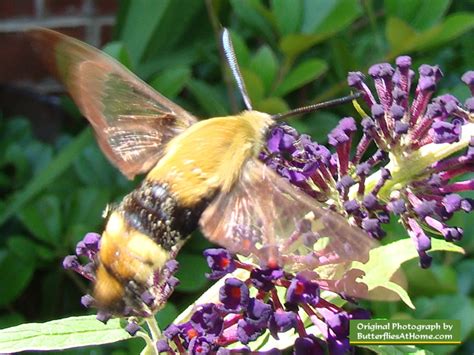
<point>145,231</point>
<point>154,210</point>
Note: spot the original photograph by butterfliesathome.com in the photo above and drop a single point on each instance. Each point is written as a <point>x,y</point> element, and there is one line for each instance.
<point>236,177</point>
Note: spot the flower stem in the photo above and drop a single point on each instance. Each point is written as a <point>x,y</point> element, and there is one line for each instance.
<point>154,329</point>
<point>150,344</point>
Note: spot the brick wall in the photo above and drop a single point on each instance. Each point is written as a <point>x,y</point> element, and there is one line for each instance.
<point>88,20</point>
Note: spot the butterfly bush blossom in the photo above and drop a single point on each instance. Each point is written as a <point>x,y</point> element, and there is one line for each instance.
<point>409,152</point>
<point>410,174</point>
<point>249,308</point>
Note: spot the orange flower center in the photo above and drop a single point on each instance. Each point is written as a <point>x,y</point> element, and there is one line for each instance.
<point>224,262</point>
<point>235,292</point>
<point>299,288</point>
<point>192,333</point>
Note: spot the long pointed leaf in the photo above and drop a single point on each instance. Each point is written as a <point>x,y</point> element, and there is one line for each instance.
<point>61,334</point>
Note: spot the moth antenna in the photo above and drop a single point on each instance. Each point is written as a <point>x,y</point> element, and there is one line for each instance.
<point>318,106</point>
<point>234,67</point>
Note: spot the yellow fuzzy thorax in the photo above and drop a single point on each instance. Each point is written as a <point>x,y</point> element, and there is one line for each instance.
<point>210,155</point>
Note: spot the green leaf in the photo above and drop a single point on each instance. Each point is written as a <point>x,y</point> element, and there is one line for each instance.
<point>250,13</point>
<point>317,124</point>
<point>242,52</point>
<point>43,218</point>
<point>465,270</point>
<point>254,85</point>
<point>384,262</point>
<point>288,15</point>
<point>403,39</point>
<point>265,65</point>
<point>304,73</point>
<point>172,81</point>
<point>396,349</point>
<point>403,9</point>
<point>398,33</point>
<point>208,97</point>
<point>418,13</point>
<point>272,105</point>
<point>293,45</point>
<point>436,279</point>
<point>86,206</point>
<point>61,334</point>
<point>24,248</point>
<point>315,12</point>
<point>142,19</point>
<point>453,306</point>
<point>429,13</point>
<point>15,275</point>
<point>165,316</point>
<point>453,26</point>
<point>118,51</point>
<point>11,319</point>
<point>46,177</point>
<point>191,272</point>
<point>176,24</point>
<point>93,168</point>
<point>340,14</point>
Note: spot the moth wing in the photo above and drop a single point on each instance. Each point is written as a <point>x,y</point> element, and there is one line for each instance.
<point>132,122</point>
<point>267,219</point>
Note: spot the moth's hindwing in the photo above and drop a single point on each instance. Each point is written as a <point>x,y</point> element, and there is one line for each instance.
<point>267,219</point>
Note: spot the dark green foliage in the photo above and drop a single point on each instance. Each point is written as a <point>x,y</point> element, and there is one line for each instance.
<point>291,53</point>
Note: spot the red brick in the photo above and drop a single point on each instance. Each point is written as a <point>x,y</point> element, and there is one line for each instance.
<point>106,7</point>
<point>78,32</point>
<point>106,34</point>
<point>18,61</point>
<point>18,8</point>
<point>64,7</point>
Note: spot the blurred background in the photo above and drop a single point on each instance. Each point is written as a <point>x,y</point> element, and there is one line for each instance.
<point>55,183</point>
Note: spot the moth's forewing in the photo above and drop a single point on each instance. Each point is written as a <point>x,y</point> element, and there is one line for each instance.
<point>265,218</point>
<point>132,121</point>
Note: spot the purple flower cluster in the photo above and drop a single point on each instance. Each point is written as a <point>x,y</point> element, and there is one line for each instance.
<point>370,184</point>
<point>143,302</point>
<point>391,172</point>
<point>238,317</point>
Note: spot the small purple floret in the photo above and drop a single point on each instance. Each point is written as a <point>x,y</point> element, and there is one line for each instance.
<point>397,207</point>
<point>71,262</point>
<point>87,301</point>
<point>247,332</point>
<point>103,316</point>
<point>302,290</point>
<point>132,328</point>
<point>309,345</point>
<point>234,295</point>
<point>452,202</point>
<point>403,61</point>
<point>89,245</point>
<point>258,313</point>
<point>207,320</point>
<point>220,261</point>
<point>263,279</point>
<point>425,208</point>
<point>281,321</point>
<point>162,346</point>
<point>373,227</point>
